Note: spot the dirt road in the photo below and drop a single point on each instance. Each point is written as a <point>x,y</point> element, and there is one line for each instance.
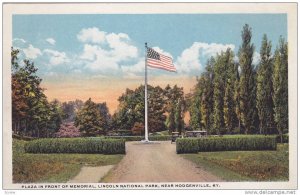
<point>156,162</point>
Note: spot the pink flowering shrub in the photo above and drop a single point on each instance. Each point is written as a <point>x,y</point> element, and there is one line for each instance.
<point>68,130</point>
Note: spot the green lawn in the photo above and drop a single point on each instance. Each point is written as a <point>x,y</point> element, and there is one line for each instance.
<point>245,165</point>
<point>53,167</point>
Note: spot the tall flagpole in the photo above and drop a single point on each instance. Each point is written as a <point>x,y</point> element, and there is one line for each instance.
<point>146,97</point>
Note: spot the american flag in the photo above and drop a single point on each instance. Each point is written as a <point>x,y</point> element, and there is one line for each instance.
<point>157,60</point>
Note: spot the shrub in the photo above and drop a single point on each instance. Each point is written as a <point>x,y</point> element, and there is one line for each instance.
<point>187,145</point>
<point>226,143</point>
<point>76,145</point>
<point>68,130</point>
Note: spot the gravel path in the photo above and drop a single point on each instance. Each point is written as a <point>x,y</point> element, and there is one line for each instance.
<point>91,174</point>
<point>156,162</point>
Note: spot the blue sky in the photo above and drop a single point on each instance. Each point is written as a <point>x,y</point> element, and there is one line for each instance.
<point>113,45</point>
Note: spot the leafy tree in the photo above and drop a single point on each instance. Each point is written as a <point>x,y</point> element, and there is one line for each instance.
<point>264,101</point>
<point>105,116</point>
<point>179,122</point>
<point>237,97</point>
<point>207,100</point>
<point>55,114</point>
<point>219,91</point>
<point>19,104</point>
<point>138,129</point>
<point>171,120</point>
<point>69,111</point>
<point>70,108</point>
<point>230,118</point>
<point>169,108</point>
<point>156,112</point>
<point>247,82</point>
<point>194,104</point>
<point>175,107</point>
<point>280,86</point>
<point>89,120</point>
<point>31,112</point>
<point>132,109</point>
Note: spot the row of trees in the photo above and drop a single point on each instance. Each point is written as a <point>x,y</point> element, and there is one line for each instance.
<point>237,97</point>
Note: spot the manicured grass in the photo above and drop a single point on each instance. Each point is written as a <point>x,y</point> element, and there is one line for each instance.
<point>53,167</point>
<point>245,165</point>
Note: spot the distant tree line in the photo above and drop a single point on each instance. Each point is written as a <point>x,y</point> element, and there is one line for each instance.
<point>237,97</point>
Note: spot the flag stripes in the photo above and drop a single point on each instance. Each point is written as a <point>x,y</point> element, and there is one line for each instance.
<point>157,60</point>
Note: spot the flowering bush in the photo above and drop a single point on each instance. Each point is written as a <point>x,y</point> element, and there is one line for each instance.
<point>68,130</point>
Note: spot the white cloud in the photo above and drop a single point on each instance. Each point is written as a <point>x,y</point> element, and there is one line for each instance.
<point>91,35</point>
<point>189,60</point>
<point>135,68</point>
<point>98,59</point>
<point>236,58</point>
<point>51,41</point>
<point>19,40</point>
<point>104,51</point>
<point>121,48</point>
<point>56,57</point>
<point>89,52</point>
<point>159,50</point>
<point>256,58</point>
<point>32,52</point>
<point>77,71</point>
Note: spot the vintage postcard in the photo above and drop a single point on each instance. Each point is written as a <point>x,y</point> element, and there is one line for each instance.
<point>150,96</point>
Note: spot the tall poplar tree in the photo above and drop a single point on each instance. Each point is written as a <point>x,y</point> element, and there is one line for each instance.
<point>280,86</point>
<point>219,92</point>
<point>237,97</point>
<point>264,101</point>
<point>247,82</point>
<point>229,106</point>
<point>207,96</point>
<point>194,104</point>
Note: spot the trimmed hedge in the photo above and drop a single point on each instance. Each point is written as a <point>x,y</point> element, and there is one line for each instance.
<point>285,138</point>
<point>210,144</point>
<point>139,138</point>
<point>76,145</point>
